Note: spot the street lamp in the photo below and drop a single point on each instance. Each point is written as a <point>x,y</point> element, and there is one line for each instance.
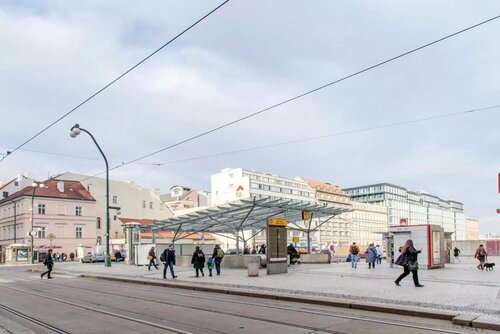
<point>32,232</point>
<point>75,131</point>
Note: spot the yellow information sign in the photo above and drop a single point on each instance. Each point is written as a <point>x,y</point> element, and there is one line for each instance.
<point>277,222</point>
<point>295,239</point>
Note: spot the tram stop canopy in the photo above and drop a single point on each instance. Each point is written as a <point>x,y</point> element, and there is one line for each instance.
<point>246,214</point>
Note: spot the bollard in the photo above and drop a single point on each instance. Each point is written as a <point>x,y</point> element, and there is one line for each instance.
<point>253,267</point>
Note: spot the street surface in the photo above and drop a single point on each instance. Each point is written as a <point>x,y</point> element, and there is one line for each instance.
<point>70,304</point>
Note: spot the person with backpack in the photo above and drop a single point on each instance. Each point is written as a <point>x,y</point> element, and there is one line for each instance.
<point>481,256</point>
<point>168,259</point>
<point>152,259</point>
<point>354,251</point>
<point>198,261</point>
<point>217,255</point>
<point>456,253</point>
<point>49,262</point>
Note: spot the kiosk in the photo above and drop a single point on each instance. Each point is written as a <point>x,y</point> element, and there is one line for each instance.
<point>276,246</point>
<point>427,238</point>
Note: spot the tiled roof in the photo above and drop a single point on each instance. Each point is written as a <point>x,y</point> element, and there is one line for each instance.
<point>72,190</point>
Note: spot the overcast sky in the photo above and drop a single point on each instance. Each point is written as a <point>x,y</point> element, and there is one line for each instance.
<point>245,57</point>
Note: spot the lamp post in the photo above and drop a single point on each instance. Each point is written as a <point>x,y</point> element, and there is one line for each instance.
<point>75,131</point>
<point>32,232</point>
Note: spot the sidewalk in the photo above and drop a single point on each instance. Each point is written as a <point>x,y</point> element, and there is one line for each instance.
<point>459,288</point>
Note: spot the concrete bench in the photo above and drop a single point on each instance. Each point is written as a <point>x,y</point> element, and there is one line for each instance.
<point>315,258</point>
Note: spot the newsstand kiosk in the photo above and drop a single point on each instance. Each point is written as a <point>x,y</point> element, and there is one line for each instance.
<point>428,238</point>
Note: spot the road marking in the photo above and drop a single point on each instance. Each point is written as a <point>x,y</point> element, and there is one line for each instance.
<point>6,281</point>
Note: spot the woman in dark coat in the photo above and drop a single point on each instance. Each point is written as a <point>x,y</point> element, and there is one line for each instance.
<point>411,264</point>
<point>198,261</point>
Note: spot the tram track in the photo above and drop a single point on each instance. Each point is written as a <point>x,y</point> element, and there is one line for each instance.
<point>32,320</point>
<point>299,311</point>
<point>96,310</point>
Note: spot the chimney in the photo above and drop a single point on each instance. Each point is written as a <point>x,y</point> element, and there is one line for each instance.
<point>60,186</point>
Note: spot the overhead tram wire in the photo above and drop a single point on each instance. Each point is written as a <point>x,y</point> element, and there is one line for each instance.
<point>291,142</point>
<point>308,92</point>
<point>302,140</point>
<point>337,134</point>
<point>8,153</point>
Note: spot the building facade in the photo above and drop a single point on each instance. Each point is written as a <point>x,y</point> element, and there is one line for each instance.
<point>471,229</point>
<point>413,208</point>
<point>182,198</point>
<point>232,184</point>
<point>63,210</point>
<point>20,182</point>
<point>133,201</point>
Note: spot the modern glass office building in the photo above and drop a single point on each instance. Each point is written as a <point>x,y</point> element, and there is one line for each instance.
<point>413,208</point>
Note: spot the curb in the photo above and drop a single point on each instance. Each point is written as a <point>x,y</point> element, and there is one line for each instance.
<point>465,320</point>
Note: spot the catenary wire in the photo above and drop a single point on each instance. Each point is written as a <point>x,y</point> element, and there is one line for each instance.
<point>66,155</point>
<point>115,80</point>
<point>297,141</point>
<point>308,92</point>
<point>336,134</point>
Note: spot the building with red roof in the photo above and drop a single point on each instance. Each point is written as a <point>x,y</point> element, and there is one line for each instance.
<point>64,217</point>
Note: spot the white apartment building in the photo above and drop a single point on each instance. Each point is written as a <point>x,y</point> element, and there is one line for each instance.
<point>64,209</point>
<point>134,201</point>
<point>413,208</point>
<point>232,184</point>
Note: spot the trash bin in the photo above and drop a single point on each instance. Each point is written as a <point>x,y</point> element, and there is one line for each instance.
<point>253,267</point>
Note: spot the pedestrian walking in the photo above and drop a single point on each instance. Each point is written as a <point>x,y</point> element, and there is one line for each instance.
<point>262,249</point>
<point>481,256</point>
<point>408,259</point>
<point>354,251</point>
<point>168,259</point>
<point>217,255</point>
<point>456,254</point>
<point>210,265</point>
<point>198,261</point>
<point>371,256</point>
<point>379,254</point>
<point>152,259</point>
<point>49,263</point>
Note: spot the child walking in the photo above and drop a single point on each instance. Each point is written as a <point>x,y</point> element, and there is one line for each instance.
<point>210,266</point>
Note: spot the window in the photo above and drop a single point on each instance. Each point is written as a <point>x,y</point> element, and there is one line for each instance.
<point>115,199</point>
<point>5,194</point>
<point>99,240</point>
<point>16,183</point>
<point>79,232</point>
<point>143,204</point>
<point>98,223</point>
<point>115,217</point>
<point>78,211</point>
<point>41,209</point>
<point>41,232</point>
<point>150,205</point>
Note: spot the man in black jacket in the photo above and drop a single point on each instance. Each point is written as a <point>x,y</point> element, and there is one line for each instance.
<point>49,262</point>
<point>168,259</point>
